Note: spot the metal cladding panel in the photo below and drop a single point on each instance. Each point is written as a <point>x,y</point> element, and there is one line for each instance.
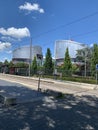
<point>24,52</point>
<point>36,50</point>
<point>61,45</point>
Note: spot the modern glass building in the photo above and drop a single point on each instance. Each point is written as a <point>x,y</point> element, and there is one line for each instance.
<point>26,54</point>
<point>60,49</point>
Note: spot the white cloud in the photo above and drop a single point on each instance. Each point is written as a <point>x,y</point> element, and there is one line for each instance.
<point>41,10</point>
<point>8,38</point>
<point>33,17</point>
<point>9,52</point>
<point>31,7</point>
<point>15,33</point>
<point>91,45</point>
<point>4,45</point>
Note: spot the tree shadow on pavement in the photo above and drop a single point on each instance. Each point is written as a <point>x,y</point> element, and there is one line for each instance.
<point>70,113</point>
<point>20,92</point>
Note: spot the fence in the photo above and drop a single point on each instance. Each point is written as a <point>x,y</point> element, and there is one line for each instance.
<point>80,76</point>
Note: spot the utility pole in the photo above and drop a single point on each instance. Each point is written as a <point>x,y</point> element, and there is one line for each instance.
<point>30,61</point>
<point>86,53</point>
<point>85,65</point>
<point>85,60</point>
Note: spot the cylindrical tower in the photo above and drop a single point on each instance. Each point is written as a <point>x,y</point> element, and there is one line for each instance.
<point>60,49</point>
<point>22,54</point>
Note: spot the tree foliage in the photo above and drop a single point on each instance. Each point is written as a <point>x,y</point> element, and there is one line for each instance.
<point>94,59</point>
<point>84,56</point>
<point>21,65</point>
<point>48,65</point>
<point>75,68</point>
<point>11,64</point>
<point>67,62</point>
<point>6,62</point>
<point>34,66</point>
<point>80,56</point>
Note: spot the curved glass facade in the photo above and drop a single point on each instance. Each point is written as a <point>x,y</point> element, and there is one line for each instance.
<point>22,54</point>
<point>61,45</point>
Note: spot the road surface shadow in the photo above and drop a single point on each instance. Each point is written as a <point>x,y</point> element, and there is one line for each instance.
<point>70,113</point>
<point>22,93</point>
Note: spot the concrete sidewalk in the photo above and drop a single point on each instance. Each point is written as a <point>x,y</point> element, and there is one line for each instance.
<point>30,79</point>
<point>55,85</point>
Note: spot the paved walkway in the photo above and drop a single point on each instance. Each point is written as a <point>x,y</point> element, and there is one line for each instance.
<point>69,113</point>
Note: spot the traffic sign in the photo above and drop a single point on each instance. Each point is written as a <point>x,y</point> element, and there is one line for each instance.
<point>96,66</point>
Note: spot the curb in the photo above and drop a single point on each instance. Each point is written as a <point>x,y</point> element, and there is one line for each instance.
<point>69,83</point>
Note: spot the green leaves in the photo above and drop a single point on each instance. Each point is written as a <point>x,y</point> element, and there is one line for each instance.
<point>34,66</point>
<point>48,65</point>
<point>67,61</point>
<point>94,59</point>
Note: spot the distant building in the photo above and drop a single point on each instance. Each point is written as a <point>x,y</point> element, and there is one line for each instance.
<point>26,54</point>
<point>60,48</point>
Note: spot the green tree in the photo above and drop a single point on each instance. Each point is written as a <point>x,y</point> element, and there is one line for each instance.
<point>21,68</point>
<point>48,65</point>
<point>6,62</point>
<point>84,57</point>
<point>94,59</point>
<point>80,56</point>
<point>6,66</point>
<point>34,66</point>
<point>1,66</point>
<point>75,68</point>
<point>21,65</point>
<point>11,64</point>
<point>67,63</point>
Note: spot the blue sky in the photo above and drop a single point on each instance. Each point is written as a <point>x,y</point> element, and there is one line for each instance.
<point>42,20</point>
